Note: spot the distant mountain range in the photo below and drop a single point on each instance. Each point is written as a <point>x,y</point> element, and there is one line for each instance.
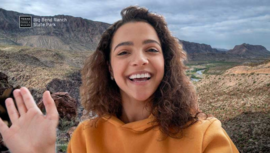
<point>78,34</point>
<point>199,52</point>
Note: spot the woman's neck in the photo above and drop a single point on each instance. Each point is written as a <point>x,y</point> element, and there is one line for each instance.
<point>133,110</point>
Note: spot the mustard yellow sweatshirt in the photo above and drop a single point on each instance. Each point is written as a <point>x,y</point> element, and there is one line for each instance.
<point>113,136</point>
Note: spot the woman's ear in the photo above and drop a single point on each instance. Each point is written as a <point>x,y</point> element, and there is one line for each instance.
<point>110,68</point>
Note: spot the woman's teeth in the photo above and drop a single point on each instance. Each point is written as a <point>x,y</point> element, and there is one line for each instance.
<point>140,77</point>
<point>137,76</point>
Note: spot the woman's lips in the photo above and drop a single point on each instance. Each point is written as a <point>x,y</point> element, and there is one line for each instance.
<point>141,81</point>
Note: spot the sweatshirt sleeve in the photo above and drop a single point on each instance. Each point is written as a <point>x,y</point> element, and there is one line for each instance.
<point>77,142</point>
<point>217,140</point>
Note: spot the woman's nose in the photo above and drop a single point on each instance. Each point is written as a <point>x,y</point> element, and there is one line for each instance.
<point>139,59</point>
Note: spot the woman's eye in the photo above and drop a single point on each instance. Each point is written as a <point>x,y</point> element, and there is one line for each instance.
<point>153,50</point>
<point>122,53</point>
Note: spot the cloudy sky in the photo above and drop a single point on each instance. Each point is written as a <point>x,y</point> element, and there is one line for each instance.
<point>219,23</point>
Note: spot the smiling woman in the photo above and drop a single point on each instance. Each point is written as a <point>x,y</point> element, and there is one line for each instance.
<point>135,84</point>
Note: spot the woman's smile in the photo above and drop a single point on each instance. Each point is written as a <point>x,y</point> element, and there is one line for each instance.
<point>140,78</point>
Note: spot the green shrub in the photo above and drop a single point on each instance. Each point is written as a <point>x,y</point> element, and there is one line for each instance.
<point>65,124</point>
<point>62,148</point>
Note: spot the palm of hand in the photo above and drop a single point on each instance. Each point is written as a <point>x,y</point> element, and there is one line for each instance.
<point>31,131</point>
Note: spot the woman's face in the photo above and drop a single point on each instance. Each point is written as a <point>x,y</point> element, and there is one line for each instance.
<point>137,62</point>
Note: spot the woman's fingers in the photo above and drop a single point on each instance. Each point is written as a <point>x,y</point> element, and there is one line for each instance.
<point>51,110</point>
<point>3,127</point>
<point>12,111</point>
<point>19,102</point>
<point>28,99</point>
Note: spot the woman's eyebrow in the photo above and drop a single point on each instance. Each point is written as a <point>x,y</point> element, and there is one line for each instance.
<point>129,43</point>
<point>150,41</point>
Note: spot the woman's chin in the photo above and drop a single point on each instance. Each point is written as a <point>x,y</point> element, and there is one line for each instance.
<point>142,97</point>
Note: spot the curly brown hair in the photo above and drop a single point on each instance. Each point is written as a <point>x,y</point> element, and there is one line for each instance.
<point>174,102</point>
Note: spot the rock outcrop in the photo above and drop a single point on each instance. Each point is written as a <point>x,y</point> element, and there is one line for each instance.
<point>249,50</point>
<point>70,85</point>
<point>3,82</point>
<point>66,105</point>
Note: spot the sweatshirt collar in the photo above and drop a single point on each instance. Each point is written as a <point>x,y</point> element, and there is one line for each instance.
<point>137,126</point>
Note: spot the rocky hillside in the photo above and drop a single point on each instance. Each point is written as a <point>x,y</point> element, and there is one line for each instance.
<point>240,98</point>
<point>260,69</point>
<point>237,86</point>
<point>42,69</point>
<point>66,33</point>
<point>192,47</point>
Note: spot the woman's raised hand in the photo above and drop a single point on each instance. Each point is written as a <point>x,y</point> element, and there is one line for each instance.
<point>31,131</point>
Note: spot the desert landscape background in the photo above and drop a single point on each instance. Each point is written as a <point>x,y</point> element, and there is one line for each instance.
<point>232,85</point>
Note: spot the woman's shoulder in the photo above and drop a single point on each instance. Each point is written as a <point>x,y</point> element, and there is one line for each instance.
<point>87,123</point>
<point>214,137</point>
<point>203,126</point>
<point>211,135</point>
<point>204,123</point>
